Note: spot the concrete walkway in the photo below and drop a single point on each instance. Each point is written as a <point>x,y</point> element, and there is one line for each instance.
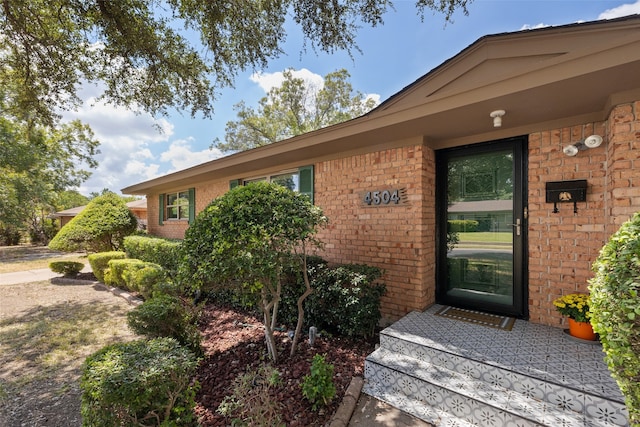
<point>27,276</point>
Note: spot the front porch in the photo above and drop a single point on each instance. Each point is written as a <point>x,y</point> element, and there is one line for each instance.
<point>455,373</point>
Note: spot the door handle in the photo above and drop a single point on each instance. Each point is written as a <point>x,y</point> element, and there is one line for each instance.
<point>517,225</point>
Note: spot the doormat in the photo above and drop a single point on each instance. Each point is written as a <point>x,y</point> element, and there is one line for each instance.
<point>477,317</point>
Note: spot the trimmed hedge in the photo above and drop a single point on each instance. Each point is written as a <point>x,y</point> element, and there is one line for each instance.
<point>66,268</point>
<point>141,383</point>
<point>145,279</point>
<point>115,274</point>
<point>167,316</point>
<point>100,262</point>
<point>462,225</point>
<point>615,311</point>
<point>164,252</point>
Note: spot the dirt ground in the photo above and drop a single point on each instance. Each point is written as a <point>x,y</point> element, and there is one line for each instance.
<point>46,332</point>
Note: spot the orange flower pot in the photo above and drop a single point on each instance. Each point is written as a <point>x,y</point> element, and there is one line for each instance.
<point>581,330</point>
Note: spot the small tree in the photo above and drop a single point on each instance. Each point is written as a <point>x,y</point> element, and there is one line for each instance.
<point>245,238</point>
<point>100,227</point>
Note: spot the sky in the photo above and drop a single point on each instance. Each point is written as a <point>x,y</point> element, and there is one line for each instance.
<point>137,147</point>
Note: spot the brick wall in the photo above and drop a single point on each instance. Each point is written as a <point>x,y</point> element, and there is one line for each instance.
<point>562,246</point>
<point>399,239</point>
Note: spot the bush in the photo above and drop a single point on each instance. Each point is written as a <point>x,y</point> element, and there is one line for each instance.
<point>346,299</point>
<point>114,275</point>
<point>293,287</point>
<point>615,312</point>
<point>145,278</point>
<point>67,268</point>
<point>100,262</point>
<point>318,387</point>
<point>462,225</point>
<point>141,383</point>
<point>9,235</point>
<point>101,226</point>
<point>167,316</point>
<point>163,252</point>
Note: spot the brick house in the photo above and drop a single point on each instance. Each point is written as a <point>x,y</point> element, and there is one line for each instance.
<point>479,140</point>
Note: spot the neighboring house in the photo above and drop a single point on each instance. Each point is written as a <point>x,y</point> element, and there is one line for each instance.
<point>137,207</point>
<point>487,128</point>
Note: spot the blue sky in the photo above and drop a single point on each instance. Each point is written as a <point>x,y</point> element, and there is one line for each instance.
<point>393,56</point>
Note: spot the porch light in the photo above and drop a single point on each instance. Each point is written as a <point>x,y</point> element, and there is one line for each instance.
<point>592,141</point>
<point>497,117</point>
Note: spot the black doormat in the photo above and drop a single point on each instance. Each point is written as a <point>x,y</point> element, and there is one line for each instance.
<point>477,317</point>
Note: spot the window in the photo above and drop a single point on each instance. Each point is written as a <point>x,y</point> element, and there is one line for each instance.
<point>177,206</point>
<point>300,180</point>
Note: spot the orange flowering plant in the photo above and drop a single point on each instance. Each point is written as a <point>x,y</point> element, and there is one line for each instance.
<point>574,306</point>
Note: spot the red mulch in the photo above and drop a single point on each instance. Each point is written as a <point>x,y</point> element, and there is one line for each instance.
<point>234,343</point>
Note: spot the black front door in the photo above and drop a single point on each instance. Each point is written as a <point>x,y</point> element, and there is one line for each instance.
<point>482,227</point>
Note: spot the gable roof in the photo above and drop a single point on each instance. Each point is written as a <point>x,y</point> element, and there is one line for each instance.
<point>140,204</point>
<point>544,78</point>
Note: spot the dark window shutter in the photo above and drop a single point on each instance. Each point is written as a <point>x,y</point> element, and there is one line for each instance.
<point>161,210</point>
<point>233,183</point>
<point>192,205</point>
<point>306,181</point>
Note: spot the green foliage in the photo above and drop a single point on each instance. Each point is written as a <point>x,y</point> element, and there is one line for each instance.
<point>145,278</point>
<point>167,316</point>
<point>114,275</point>
<point>615,312</point>
<point>99,262</point>
<point>346,299</point>
<point>245,238</point>
<point>163,252</point>
<point>140,383</point>
<point>318,387</point>
<point>294,108</point>
<point>101,226</point>
<point>66,268</point>
<point>462,225</point>
<point>133,47</point>
<point>250,403</point>
<point>9,235</point>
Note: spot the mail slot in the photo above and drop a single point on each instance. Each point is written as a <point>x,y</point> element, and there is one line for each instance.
<point>567,192</point>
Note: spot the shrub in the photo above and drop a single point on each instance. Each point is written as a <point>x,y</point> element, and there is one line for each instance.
<point>114,275</point>
<point>142,383</point>
<point>346,299</point>
<point>101,226</point>
<point>167,316</point>
<point>251,404</point>
<point>318,387</point>
<point>99,262</point>
<point>462,225</point>
<point>9,235</point>
<point>163,252</point>
<point>66,268</point>
<point>293,287</point>
<point>145,278</point>
<point>615,312</point>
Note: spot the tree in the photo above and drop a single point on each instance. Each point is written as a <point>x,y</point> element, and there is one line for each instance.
<point>245,239</point>
<point>101,226</point>
<point>292,109</point>
<point>37,164</point>
<point>140,49</point>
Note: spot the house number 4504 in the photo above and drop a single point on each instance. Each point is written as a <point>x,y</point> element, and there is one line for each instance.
<point>384,197</point>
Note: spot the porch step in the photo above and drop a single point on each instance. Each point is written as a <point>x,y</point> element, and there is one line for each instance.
<point>449,389</point>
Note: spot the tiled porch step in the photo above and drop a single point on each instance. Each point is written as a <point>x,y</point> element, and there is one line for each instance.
<point>420,387</point>
<point>611,411</point>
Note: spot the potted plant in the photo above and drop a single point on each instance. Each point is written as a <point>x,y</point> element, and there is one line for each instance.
<point>576,308</point>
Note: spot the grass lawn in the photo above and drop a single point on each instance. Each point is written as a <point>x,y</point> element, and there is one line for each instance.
<point>485,237</point>
<point>20,258</point>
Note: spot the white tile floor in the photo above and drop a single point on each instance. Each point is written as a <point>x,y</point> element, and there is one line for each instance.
<point>542,368</point>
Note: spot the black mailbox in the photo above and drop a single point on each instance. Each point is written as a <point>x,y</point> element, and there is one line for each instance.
<point>567,192</point>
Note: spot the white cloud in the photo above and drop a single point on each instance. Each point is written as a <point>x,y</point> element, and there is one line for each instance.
<point>533,27</point>
<point>267,81</point>
<point>622,10</point>
<point>181,155</point>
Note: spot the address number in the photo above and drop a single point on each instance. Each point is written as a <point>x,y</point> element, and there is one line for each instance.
<point>385,197</point>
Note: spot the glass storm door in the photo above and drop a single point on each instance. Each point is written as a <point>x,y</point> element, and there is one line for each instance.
<point>481,219</point>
